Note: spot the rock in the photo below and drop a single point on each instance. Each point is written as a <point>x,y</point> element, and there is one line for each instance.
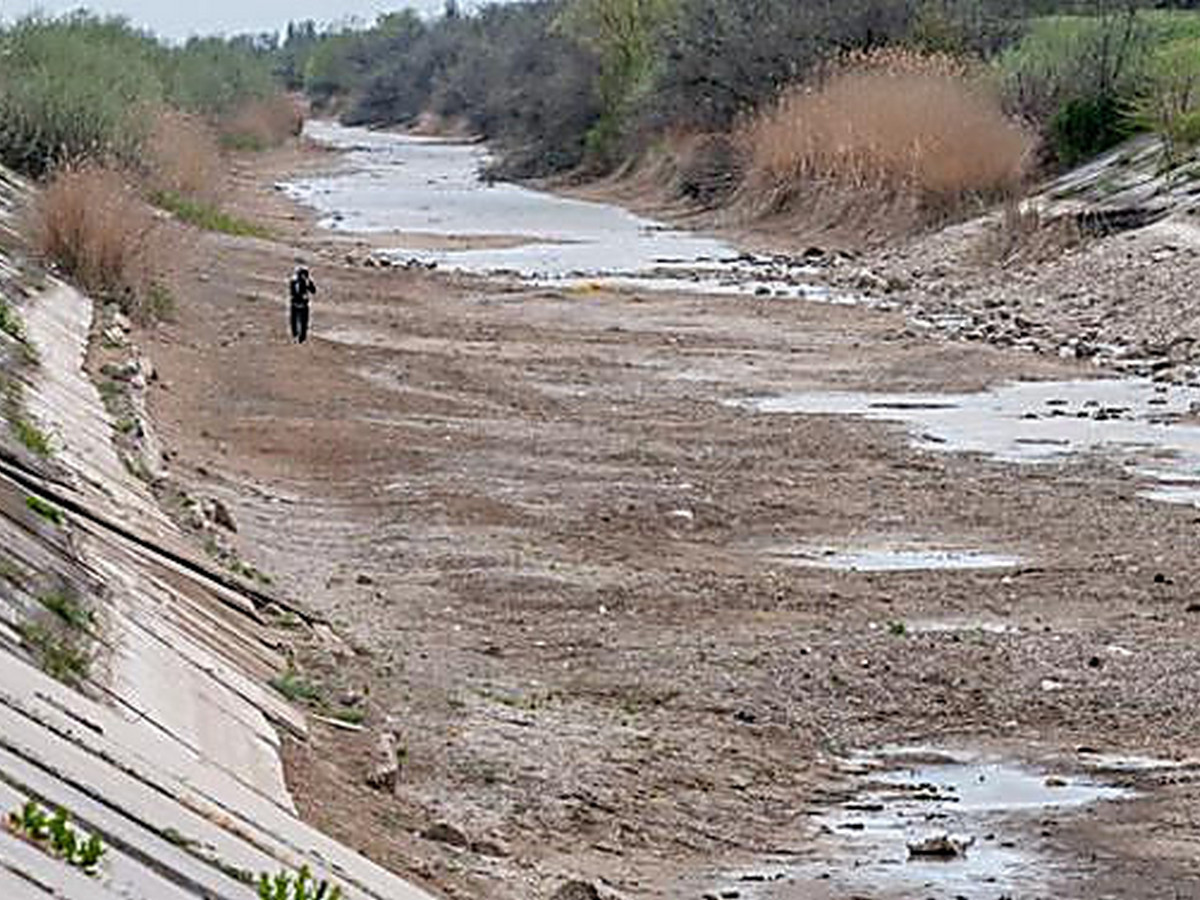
<point>490,849</point>
<point>445,833</point>
<point>115,337</point>
<point>941,846</point>
<point>146,367</point>
<point>222,516</point>
<point>385,765</point>
<point>869,281</point>
<point>576,890</point>
<point>364,580</point>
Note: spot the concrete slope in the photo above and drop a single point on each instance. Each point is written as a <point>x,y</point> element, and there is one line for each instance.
<point>161,733</point>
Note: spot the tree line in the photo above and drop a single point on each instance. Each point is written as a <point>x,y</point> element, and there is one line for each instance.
<point>557,84</point>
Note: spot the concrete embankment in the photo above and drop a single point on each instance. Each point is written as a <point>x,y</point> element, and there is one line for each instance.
<point>160,733</point>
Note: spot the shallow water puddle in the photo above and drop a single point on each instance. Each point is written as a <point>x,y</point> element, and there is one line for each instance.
<point>978,806</point>
<point>1136,419</point>
<point>898,560</point>
<point>399,184</point>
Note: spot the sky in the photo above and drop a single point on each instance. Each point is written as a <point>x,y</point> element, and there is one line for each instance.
<point>179,19</point>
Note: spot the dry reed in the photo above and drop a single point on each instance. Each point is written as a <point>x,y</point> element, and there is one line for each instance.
<point>263,123</point>
<point>897,123</point>
<point>91,223</point>
<point>184,157</point>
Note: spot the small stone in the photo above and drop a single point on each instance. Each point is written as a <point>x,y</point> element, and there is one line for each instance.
<point>222,516</point>
<point>445,833</point>
<point>490,849</point>
<point>942,846</point>
<point>576,890</point>
<point>364,579</point>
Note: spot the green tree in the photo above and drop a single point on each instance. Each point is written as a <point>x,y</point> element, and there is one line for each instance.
<point>622,34</point>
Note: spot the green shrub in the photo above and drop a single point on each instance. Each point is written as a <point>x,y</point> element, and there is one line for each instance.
<point>1086,126</point>
<point>301,886</point>
<point>84,87</point>
<point>55,834</point>
<point>215,76</point>
<point>79,86</point>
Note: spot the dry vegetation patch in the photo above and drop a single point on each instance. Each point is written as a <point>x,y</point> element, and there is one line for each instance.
<point>262,123</point>
<point>896,123</point>
<point>184,156</point>
<point>92,223</point>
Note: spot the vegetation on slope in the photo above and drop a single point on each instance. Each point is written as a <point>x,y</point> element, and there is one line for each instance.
<point>560,84</point>
<point>110,118</point>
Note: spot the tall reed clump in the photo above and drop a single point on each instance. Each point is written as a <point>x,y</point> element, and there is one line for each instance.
<point>261,123</point>
<point>94,226</point>
<point>183,156</point>
<point>896,123</point>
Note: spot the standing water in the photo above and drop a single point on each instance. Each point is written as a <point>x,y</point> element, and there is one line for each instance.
<point>412,189</point>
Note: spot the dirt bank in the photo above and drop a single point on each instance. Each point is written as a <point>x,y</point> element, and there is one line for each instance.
<point>561,547</point>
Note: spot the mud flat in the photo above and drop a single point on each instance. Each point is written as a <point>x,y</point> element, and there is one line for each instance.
<point>558,533</point>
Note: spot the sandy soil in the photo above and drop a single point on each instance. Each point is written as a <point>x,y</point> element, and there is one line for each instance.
<point>551,538</point>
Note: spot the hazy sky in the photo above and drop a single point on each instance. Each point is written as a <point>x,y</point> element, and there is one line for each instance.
<point>181,18</point>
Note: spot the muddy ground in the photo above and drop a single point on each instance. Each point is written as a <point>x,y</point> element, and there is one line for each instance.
<point>557,547</point>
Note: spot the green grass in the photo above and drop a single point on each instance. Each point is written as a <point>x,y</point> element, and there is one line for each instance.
<point>206,215</point>
<point>24,430</point>
<point>156,305</point>
<point>31,437</point>
<point>10,322</point>
<point>69,609</point>
<point>296,688</point>
<point>348,715</point>
<point>243,143</point>
<point>59,652</point>
<point>53,833</point>
<point>11,572</point>
<point>47,511</point>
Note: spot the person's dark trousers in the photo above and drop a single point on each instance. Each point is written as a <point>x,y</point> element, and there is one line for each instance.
<point>300,322</point>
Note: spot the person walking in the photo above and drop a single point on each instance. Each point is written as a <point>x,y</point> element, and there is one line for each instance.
<point>300,287</point>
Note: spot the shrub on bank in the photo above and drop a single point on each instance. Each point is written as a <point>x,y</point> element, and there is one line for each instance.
<point>93,225</point>
<point>72,88</point>
<point>899,123</point>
